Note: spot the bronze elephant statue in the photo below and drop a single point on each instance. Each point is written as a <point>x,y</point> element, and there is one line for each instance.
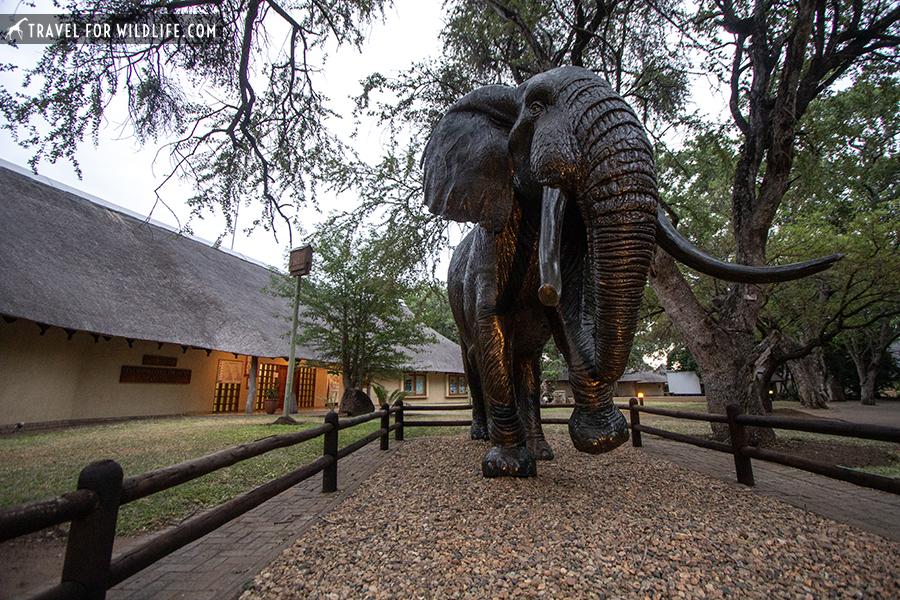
<point>561,180</point>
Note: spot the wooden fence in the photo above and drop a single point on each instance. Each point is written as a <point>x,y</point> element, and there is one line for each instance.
<point>743,452</point>
<point>92,509</point>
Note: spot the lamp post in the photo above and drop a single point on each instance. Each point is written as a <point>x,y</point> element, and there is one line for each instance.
<point>299,265</point>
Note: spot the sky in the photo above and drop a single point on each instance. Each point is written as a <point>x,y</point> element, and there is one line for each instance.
<point>120,172</point>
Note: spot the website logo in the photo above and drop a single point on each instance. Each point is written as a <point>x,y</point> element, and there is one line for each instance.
<point>17,28</point>
<point>110,29</point>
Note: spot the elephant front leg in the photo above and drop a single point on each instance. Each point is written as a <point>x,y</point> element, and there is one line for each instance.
<point>596,425</point>
<point>509,455</point>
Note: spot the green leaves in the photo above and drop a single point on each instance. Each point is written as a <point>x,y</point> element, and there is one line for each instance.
<point>352,312</point>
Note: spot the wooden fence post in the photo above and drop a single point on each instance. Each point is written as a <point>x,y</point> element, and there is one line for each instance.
<point>739,438</point>
<point>398,419</point>
<point>329,474</point>
<point>386,425</point>
<point>635,420</point>
<point>90,544</point>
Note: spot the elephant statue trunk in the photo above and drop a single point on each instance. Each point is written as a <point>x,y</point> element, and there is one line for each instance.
<point>616,193</point>
<point>560,178</point>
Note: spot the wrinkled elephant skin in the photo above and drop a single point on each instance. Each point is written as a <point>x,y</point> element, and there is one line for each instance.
<point>560,178</point>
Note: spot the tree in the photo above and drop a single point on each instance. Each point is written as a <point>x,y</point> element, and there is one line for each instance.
<point>242,117</point>
<point>490,42</point>
<point>776,58</point>
<point>552,362</point>
<point>846,192</point>
<point>431,305</point>
<point>352,309</point>
<point>843,199</point>
<point>869,350</point>
<point>681,359</point>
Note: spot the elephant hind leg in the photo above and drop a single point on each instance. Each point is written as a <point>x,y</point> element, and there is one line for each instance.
<point>539,447</point>
<point>528,393</point>
<point>479,429</point>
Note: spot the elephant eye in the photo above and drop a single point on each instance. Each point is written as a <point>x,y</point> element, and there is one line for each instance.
<point>537,107</point>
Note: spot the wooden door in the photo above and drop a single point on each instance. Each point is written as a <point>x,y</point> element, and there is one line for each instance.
<point>279,386</point>
<point>266,378</point>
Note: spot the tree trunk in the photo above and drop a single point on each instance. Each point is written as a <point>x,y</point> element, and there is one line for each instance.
<point>251,385</point>
<point>867,387</point>
<point>764,382</point>
<point>812,378</point>
<point>726,355</point>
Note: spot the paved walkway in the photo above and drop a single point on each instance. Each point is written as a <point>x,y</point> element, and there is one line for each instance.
<point>217,566</point>
<point>870,510</point>
<point>886,412</point>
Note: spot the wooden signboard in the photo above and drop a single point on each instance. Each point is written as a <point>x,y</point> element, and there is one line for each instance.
<point>230,371</point>
<point>152,360</point>
<point>132,374</point>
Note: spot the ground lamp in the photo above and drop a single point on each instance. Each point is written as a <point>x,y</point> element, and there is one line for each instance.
<point>641,398</point>
<point>300,262</point>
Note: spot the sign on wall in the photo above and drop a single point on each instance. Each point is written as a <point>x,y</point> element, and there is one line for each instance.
<point>153,360</point>
<point>132,374</point>
<point>230,371</point>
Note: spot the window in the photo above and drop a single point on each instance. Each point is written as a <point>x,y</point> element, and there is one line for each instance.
<point>457,385</point>
<point>414,383</point>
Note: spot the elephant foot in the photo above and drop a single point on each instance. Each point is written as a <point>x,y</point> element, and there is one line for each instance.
<point>508,461</point>
<point>540,449</point>
<point>479,430</point>
<point>596,430</point>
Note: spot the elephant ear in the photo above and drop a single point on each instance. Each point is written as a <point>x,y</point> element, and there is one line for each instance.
<point>468,169</point>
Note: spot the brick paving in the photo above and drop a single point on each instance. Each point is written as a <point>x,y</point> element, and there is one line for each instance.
<point>219,565</point>
<point>870,510</point>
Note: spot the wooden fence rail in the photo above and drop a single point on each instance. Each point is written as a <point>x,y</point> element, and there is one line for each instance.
<point>88,569</point>
<point>743,452</point>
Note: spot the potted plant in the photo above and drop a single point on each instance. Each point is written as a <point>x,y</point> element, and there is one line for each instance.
<point>271,403</point>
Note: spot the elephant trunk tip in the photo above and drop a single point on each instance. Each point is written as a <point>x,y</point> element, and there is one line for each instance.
<point>549,295</point>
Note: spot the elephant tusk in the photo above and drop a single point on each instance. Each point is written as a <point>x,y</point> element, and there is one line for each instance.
<point>552,211</point>
<point>675,244</point>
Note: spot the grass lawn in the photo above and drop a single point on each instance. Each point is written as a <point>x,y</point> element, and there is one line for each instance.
<point>44,465</point>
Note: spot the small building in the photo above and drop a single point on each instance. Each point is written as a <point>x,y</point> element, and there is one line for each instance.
<point>106,314</point>
<point>438,377</point>
<point>648,383</point>
<point>684,383</point>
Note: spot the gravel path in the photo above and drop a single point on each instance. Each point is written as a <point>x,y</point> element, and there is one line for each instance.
<point>620,525</point>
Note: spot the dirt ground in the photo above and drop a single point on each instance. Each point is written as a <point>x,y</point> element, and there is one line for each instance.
<point>34,562</point>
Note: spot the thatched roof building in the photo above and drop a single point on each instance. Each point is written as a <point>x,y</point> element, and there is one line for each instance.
<point>78,263</point>
<point>148,296</point>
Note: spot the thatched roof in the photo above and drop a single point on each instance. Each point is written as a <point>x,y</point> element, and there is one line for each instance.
<point>643,377</point>
<point>442,355</point>
<point>80,263</point>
